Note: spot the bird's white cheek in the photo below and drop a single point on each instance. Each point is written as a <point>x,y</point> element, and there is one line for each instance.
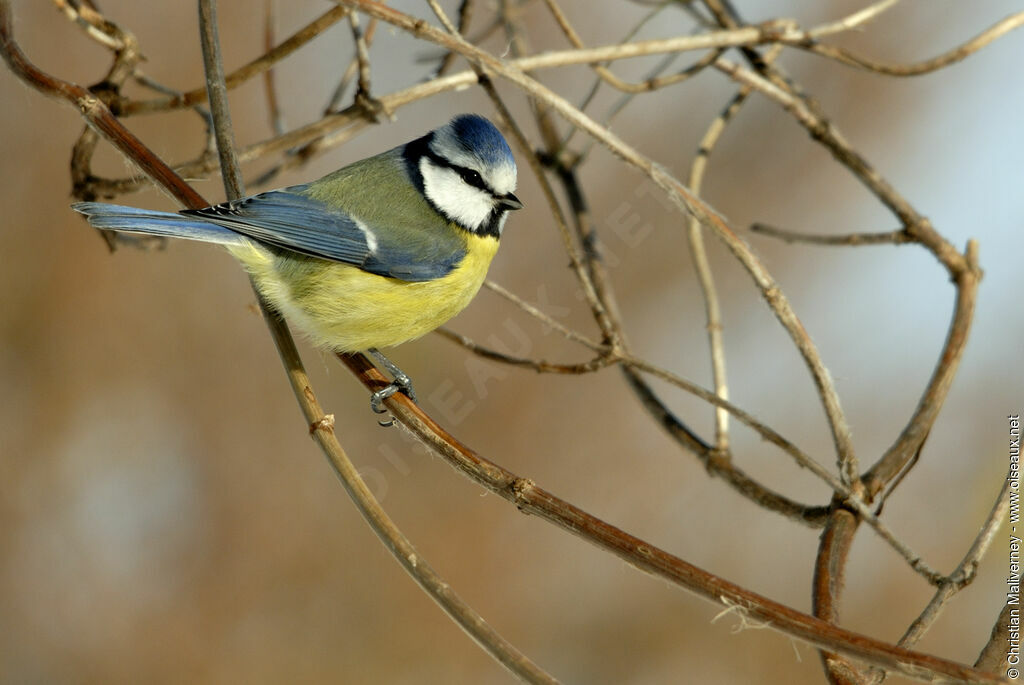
<point>462,202</point>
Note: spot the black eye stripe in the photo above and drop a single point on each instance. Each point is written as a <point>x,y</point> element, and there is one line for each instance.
<point>470,176</point>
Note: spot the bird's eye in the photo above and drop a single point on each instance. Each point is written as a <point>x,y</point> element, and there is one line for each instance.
<point>472,177</point>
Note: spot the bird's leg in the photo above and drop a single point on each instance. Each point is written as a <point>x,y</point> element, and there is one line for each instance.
<point>401,383</point>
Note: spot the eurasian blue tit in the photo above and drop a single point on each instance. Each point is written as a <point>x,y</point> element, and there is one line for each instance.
<point>372,255</point>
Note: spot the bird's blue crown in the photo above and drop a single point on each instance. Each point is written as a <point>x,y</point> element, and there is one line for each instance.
<point>478,136</point>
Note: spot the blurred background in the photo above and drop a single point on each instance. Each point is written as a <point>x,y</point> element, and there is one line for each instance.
<point>166,518</point>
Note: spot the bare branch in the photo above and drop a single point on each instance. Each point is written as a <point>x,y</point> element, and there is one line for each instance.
<point>897,237</point>
<point>531,499</point>
<point>952,56</point>
<point>245,72</point>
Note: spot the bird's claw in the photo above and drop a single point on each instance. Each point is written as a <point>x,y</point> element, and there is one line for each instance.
<point>377,404</point>
<point>401,383</point>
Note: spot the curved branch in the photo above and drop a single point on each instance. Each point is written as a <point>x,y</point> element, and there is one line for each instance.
<point>529,498</point>
<point>951,56</point>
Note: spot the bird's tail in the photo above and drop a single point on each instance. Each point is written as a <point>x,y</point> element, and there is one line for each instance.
<point>133,220</point>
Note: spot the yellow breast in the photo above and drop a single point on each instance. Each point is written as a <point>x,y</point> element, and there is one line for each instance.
<point>349,310</point>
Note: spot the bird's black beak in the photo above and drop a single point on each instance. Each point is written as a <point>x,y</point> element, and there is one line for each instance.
<point>509,201</point>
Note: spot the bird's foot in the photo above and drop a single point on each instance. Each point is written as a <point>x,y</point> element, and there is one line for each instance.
<point>401,383</point>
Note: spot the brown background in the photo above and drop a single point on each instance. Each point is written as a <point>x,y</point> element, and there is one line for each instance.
<point>165,517</point>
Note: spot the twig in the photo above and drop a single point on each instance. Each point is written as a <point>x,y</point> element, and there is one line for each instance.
<point>126,56</point>
<point>952,56</point>
<point>277,123</point>
<point>958,580</point>
<point>531,499</point>
<point>95,113</point>
<point>723,39</point>
<point>832,552</point>
<point>538,365</point>
<point>934,395</point>
<point>855,20</point>
<point>718,463</point>
<point>303,135</point>
<point>897,237</point>
<point>544,318</point>
<point>606,75</point>
<point>217,93</point>
<point>465,13</point>
<point>963,269</point>
<point>965,570</point>
<point>334,104</point>
<point>592,93</point>
<point>846,495</point>
<point>245,72</point>
<point>695,236</point>
<point>364,96</point>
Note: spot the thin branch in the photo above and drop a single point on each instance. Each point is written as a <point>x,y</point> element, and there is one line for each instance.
<point>305,134</point>
<point>963,269</point>
<point>538,365</point>
<point>245,72</point>
<point>719,463</point>
<point>952,56</point>
<point>934,395</point>
<point>964,574</point>
<point>95,113</point>
<point>855,20</point>
<point>334,104</point>
<point>695,235</point>
<point>322,430</point>
<point>667,60</point>
<point>364,96</point>
<point>529,498</point>
<point>217,93</point>
<point>965,571</point>
<point>785,33</point>
<point>465,13</point>
<point>897,237</point>
<point>544,318</point>
<point>606,75</point>
<point>549,60</point>
<point>277,123</point>
<point>696,444</point>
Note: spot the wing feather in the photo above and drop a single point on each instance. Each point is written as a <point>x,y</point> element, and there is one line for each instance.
<point>291,219</point>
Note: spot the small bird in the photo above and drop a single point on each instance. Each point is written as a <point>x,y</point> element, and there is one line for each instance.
<point>375,254</point>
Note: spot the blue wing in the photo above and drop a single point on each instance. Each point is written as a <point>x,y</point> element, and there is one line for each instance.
<point>291,220</point>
